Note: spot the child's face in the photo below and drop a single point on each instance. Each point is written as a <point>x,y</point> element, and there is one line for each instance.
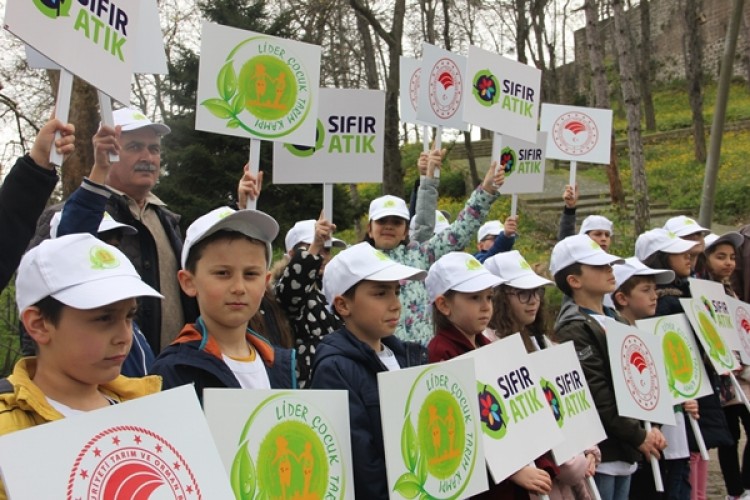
<point>641,301</point>
<point>597,280</point>
<point>229,282</point>
<point>486,243</point>
<point>373,311</point>
<point>388,232</point>
<point>469,312</point>
<point>680,263</point>
<point>87,346</point>
<point>721,262</point>
<point>602,237</point>
<point>524,305</point>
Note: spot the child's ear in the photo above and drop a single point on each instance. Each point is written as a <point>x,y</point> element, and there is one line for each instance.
<point>187,282</point>
<point>620,298</point>
<point>268,278</point>
<point>443,305</point>
<point>574,281</point>
<point>369,229</point>
<point>37,326</point>
<point>341,306</point>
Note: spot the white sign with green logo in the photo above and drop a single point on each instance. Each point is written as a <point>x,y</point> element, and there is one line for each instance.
<point>523,162</point>
<point>638,373</point>
<point>686,375</point>
<point>715,301</point>
<point>516,423</point>
<point>566,392</point>
<point>348,142</point>
<point>94,40</point>
<point>257,86</point>
<point>502,95</point>
<point>577,134</point>
<point>699,312</point>
<point>431,431</point>
<point>740,312</point>
<point>442,88</point>
<point>157,446</point>
<point>283,444</point>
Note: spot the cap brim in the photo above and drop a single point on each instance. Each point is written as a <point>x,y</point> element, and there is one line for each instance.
<point>478,283</point>
<point>678,245</point>
<point>397,272</point>
<point>389,212</point>
<point>661,276</point>
<point>159,128</point>
<point>688,230</point>
<point>733,238</point>
<point>601,259</point>
<point>98,293</point>
<point>528,282</point>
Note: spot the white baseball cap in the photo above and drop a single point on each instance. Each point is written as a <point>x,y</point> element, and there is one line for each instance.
<point>133,119</point>
<point>514,270</point>
<point>80,271</point>
<point>634,267</point>
<point>252,223</point>
<point>304,232</point>
<point>733,238</point>
<point>107,224</point>
<point>684,226</point>
<point>441,223</point>
<point>388,205</point>
<point>660,240</point>
<point>461,272</point>
<point>582,249</point>
<point>363,262</point>
<point>491,228</point>
<point>596,223</point>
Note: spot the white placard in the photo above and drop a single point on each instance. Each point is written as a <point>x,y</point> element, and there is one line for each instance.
<point>638,374</point>
<point>149,57</point>
<point>740,312</point>
<point>431,430</point>
<point>348,144</point>
<point>686,376</point>
<point>714,298</point>
<point>158,445</point>
<point>257,86</point>
<point>524,163</point>
<point>442,88</point>
<point>305,434</point>
<point>565,389</point>
<point>577,134</point>
<point>410,70</point>
<point>517,424</point>
<point>95,41</point>
<point>709,335</point>
<point>504,96</point>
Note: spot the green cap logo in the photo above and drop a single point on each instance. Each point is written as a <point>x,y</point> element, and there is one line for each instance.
<point>595,245</point>
<point>524,265</point>
<point>389,204</point>
<point>380,255</point>
<point>473,264</point>
<point>102,258</point>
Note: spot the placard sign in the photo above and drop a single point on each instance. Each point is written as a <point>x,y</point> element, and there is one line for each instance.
<point>158,445</point>
<point>517,424</point>
<point>411,71</point>
<point>639,378</point>
<point>504,95</point>
<point>523,162</point>
<point>257,86</point>
<point>94,40</point>
<point>577,134</point>
<point>442,88</point>
<point>568,396</point>
<point>740,312</point>
<point>283,444</point>
<point>714,299</point>
<point>348,144</point>
<point>431,431</point>
<point>714,343</point>
<point>686,375</point>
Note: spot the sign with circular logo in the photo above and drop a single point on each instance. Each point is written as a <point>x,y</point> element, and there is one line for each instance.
<point>681,359</point>
<point>552,396</point>
<point>131,462</point>
<point>508,160</point>
<point>575,133</point>
<point>742,324</point>
<point>414,88</point>
<point>445,88</point>
<point>438,440</point>
<point>492,412</point>
<point>288,449</point>
<point>640,373</point>
<point>485,88</point>
<point>712,340</point>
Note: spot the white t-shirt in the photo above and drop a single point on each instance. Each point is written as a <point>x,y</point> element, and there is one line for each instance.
<point>389,359</point>
<point>66,411</point>
<point>676,436</point>
<point>617,468</point>
<point>250,374</point>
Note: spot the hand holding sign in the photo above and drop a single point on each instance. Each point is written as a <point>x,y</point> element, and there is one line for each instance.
<point>533,480</point>
<point>45,140</point>
<point>249,186</point>
<point>493,179</point>
<point>106,143</point>
<point>434,161</point>
<point>323,231</point>
<point>511,226</point>
<point>570,196</point>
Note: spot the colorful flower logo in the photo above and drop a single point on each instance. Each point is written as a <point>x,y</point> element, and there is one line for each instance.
<point>485,88</point>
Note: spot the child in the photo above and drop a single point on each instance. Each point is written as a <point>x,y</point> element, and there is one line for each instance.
<point>597,227</point>
<point>493,238</point>
<point>688,229</point>
<point>77,298</point>
<point>583,272</point>
<point>387,231</point>
<point>362,285</point>
<point>225,264</point>
<point>516,305</point>
<point>635,296</point>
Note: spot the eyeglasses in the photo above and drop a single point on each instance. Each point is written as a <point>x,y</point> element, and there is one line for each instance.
<point>524,296</point>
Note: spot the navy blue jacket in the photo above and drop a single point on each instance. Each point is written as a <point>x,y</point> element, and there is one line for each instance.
<point>195,358</point>
<point>344,362</point>
<point>502,244</point>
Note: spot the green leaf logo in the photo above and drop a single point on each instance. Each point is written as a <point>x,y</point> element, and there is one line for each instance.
<point>102,258</point>
<point>473,264</point>
<point>523,264</point>
<point>243,477</point>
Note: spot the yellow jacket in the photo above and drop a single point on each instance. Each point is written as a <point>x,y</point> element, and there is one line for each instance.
<point>27,406</point>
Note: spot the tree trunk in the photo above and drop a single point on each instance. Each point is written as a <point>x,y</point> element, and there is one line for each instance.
<point>645,68</point>
<point>632,104</point>
<point>693,54</point>
<point>595,47</point>
<point>522,31</point>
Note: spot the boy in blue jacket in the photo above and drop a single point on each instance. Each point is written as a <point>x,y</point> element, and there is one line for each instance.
<point>225,263</point>
<point>362,283</point>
